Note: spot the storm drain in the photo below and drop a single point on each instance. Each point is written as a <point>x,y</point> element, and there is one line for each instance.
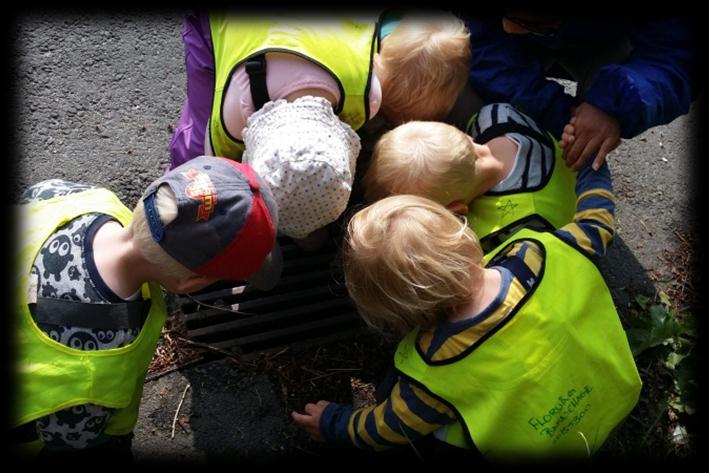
<point>309,305</point>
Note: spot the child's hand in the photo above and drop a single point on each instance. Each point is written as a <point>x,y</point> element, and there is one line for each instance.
<point>590,132</point>
<point>310,421</point>
<point>567,136</point>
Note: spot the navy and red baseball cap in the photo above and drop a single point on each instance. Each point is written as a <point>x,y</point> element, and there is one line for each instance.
<point>226,221</point>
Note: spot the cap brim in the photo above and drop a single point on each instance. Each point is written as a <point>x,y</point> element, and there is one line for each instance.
<point>269,273</point>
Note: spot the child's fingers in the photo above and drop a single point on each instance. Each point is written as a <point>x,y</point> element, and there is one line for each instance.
<point>566,139</point>
<point>307,423</point>
<point>567,135</point>
<point>301,419</point>
<point>572,151</point>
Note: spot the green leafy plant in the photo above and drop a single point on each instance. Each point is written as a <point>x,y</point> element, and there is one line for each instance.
<point>658,325</point>
<point>662,338</point>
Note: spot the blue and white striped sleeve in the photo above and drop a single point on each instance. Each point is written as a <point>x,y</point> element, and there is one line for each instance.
<point>406,415</point>
<point>593,225</point>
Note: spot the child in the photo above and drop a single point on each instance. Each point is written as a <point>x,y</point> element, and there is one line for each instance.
<point>495,357</point>
<point>327,76</point>
<point>509,175</point>
<point>90,310</point>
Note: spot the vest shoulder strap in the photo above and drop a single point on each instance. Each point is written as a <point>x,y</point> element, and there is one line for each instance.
<point>256,69</point>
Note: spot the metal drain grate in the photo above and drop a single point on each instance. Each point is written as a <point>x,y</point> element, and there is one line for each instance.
<point>308,305</point>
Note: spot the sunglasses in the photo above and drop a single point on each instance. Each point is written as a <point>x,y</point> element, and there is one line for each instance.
<point>534,27</point>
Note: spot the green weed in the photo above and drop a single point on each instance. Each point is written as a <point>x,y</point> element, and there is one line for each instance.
<point>663,343</point>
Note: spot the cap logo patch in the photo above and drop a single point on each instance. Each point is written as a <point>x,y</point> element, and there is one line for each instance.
<point>201,188</point>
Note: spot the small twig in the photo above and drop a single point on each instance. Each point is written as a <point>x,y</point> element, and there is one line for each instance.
<point>210,347</point>
<point>306,451</point>
<point>657,279</point>
<point>652,426</point>
<point>162,373</point>
<point>271,446</point>
<point>322,376</point>
<point>174,419</point>
<point>224,308</point>
<point>310,370</point>
<point>260,402</point>
<point>317,353</point>
<point>680,237</point>
<point>343,369</point>
<point>411,444</point>
<point>636,419</point>
<point>279,353</point>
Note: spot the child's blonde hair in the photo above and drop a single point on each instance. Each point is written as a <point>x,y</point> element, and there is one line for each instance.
<point>409,262</point>
<point>151,250</point>
<point>423,66</point>
<point>430,159</point>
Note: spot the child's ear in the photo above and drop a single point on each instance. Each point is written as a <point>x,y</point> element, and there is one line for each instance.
<point>458,207</point>
<point>377,62</point>
<point>193,283</point>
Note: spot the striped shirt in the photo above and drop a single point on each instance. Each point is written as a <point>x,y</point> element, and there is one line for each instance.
<point>409,412</point>
<point>534,160</point>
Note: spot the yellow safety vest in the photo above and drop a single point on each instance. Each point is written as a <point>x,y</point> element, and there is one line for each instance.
<point>344,47</point>
<point>494,217</point>
<point>552,381</point>
<point>51,376</point>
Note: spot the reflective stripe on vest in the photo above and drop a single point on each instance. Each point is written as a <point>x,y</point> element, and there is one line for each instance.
<point>552,202</point>
<point>344,47</point>
<point>552,380</point>
<point>52,376</point>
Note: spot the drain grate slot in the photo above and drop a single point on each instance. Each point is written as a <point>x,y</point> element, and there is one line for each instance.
<point>308,305</point>
<point>259,305</point>
<point>269,320</point>
<point>292,334</point>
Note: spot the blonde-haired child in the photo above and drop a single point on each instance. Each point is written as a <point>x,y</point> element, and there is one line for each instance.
<point>495,357</point>
<point>431,277</point>
<point>89,307</point>
<point>285,93</point>
<point>503,172</point>
<point>423,66</point>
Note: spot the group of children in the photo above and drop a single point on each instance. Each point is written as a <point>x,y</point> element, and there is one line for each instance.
<point>476,246</point>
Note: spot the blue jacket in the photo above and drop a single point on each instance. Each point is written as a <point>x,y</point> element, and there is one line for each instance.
<point>653,87</point>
